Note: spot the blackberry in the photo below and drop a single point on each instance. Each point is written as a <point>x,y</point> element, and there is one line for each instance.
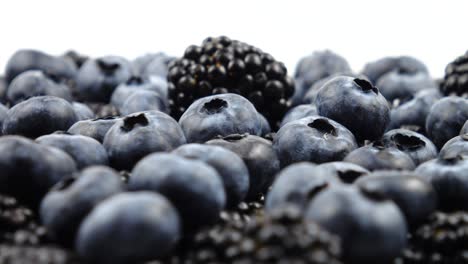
<point>280,238</point>
<point>456,77</point>
<point>18,224</point>
<point>443,239</point>
<point>222,65</point>
<point>35,255</point>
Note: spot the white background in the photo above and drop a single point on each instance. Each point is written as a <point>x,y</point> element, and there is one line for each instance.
<point>361,31</point>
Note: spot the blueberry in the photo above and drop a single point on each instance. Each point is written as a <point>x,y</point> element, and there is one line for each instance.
<point>35,83</point>
<point>356,104</point>
<point>296,184</point>
<point>229,165</point>
<point>98,78</point>
<point>464,129</point>
<point>82,111</point>
<point>39,116</point>
<point>316,66</point>
<point>3,115</point>
<point>448,176</point>
<point>311,95</point>
<point>143,100</point>
<point>84,150</point>
<point>259,156</point>
<point>76,58</point>
<point>194,187</point>
<point>446,119</point>
<point>266,129</point>
<point>95,128</point>
<point>219,115</point>
<point>136,83</point>
<point>372,230</point>
<point>129,228</point>
<point>417,146</point>
<point>416,197</point>
<point>457,146</point>
<point>156,66</point>
<point>314,138</point>
<point>29,169</point>
<point>24,60</point>
<point>397,85</point>
<point>380,158</point>
<point>299,112</point>
<point>66,205</point>
<point>140,134</point>
<point>347,172</point>
<point>413,113</point>
<point>376,69</point>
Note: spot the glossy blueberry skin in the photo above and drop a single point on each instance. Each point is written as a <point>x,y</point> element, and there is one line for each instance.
<point>299,112</point>
<point>396,85</point>
<point>3,114</point>
<point>446,118</point>
<point>194,187</point>
<point>144,101</point>
<point>39,116</point>
<point>415,197</point>
<point>296,184</point>
<point>347,172</point>
<point>448,176</point>
<point>94,128</point>
<point>413,113</point>
<point>259,156</point>
<point>24,60</point>
<point>230,167</point>
<point>219,115</point>
<point>29,170</point>
<point>98,78</point>
<point>35,83</point>
<point>418,147</point>
<point>82,111</point>
<point>379,158</point>
<point>129,228</point>
<point>84,150</point>
<point>362,222</point>
<point>139,134</point>
<point>356,104</point>
<point>457,146</point>
<point>66,205</point>
<point>136,83</point>
<point>316,66</point>
<point>376,69</point>
<point>316,139</point>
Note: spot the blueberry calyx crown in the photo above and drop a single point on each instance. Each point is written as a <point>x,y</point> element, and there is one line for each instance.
<point>234,137</point>
<point>323,126</point>
<point>107,67</point>
<point>214,106</point>
<point>130,122</point>
<point>349,176</point>
<point>404,142</point>
<point>464,137</point>
<point>365,86</point>
<point>134,80</point>
<point>451,159</point>
<point>373,194</point>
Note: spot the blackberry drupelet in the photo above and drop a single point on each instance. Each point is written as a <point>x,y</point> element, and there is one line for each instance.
<point>18,224</point>
<point>282,238</point>
<point>35,255</point>
<point>442,239</point>
<point>456,77</point>
<point>222,65</point>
